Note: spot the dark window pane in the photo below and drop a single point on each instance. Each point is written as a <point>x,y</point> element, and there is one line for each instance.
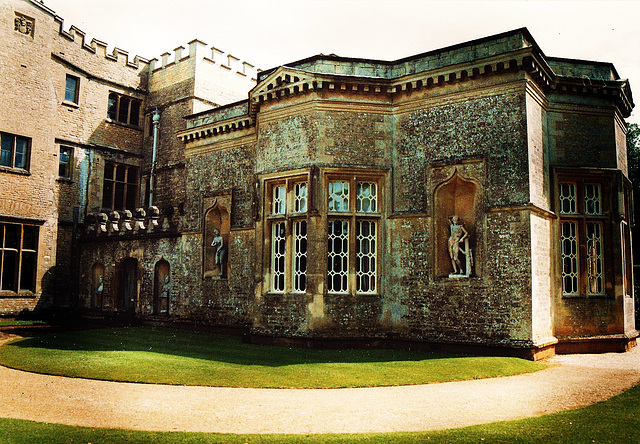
<point>121,172</point>
<point>132,193</point>
<point>135,112</point>
<point>5,152</point>
<point>118,201</point>
<point>132,176</point>
<point>70,93</point>
<point>28,272</point>
<point>112,110</point>
<point>123,110</point>
<point>107,194</point>
<point>12,236</point>
<point>29,238</point>
<point>108,171</point>
<point>22,152</point>
<point>10,270</point>
<point>64,169</point>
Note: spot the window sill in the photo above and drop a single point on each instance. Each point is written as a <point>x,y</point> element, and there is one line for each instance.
<point>70,104</point>
<point>18,171</point>
<point>126,125</point>
<point>64,180</point>
<point>8,294</point>
<point>582,296</point>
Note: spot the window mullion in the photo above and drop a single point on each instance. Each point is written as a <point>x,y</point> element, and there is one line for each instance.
<point>19,267</point>
<point>288,249</point>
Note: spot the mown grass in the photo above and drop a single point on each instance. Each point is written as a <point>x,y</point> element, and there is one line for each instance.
<point>613,421</point>
<point>169,356</point>
<point>19,323</point>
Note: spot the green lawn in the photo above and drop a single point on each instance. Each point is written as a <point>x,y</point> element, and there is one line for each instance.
<point>169,356</point>
<point>614,421</point>
<point>19,323</point>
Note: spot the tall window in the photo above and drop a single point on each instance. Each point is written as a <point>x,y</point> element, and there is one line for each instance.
<point>14,151</point>
<point>18,257</point>
<point>352,252</point>
<point>64,162</point>
<point>71,89</point>
<point>120,187</point>
<point>288,235</point>
<point>124,109</point>
<point>582,238</point>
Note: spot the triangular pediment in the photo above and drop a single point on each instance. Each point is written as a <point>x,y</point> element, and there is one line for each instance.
<point>282,78</point>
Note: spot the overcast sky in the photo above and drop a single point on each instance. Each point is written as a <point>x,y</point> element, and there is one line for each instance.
<point>268,33</point>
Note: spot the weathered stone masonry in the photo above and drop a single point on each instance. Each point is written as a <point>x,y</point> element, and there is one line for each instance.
<point>315,202</point>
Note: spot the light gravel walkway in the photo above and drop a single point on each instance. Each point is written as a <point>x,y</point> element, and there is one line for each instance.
<point>570,382</point>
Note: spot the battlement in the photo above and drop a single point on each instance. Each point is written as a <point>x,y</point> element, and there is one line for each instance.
<point>199,50</point>
<point>99,47</point>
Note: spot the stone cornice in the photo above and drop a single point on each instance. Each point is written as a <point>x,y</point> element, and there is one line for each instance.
<point>286,82</point>
<point>215,128</point>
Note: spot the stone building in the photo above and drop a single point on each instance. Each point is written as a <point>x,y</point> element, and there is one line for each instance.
<point>475,196</point>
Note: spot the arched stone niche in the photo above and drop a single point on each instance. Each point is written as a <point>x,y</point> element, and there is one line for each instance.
<point>217,226</point>
<point>162,288</point>
<point>97,285</point>
<point>458,194</point>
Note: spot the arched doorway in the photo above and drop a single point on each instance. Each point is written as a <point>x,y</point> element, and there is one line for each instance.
<point>128,288</point>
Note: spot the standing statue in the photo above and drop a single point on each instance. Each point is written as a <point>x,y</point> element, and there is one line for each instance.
<point>459,235</point>
<point>221,251</point>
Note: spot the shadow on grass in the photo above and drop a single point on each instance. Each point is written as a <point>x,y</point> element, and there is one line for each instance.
<point>208,346</point>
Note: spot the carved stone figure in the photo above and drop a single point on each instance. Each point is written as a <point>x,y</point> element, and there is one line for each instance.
<point>221,251</point>
<point>458,235</point>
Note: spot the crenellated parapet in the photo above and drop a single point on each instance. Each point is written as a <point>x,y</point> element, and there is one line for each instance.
<point>99,47</point>
<point>197,50</point>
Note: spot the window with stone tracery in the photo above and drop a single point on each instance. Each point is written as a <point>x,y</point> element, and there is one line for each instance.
<point>352,235</point>
<point>288,235</point>
<point>582,238</point>
<point>351,216</point>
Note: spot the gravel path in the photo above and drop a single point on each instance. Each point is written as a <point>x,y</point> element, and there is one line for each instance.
<point>570,382</point>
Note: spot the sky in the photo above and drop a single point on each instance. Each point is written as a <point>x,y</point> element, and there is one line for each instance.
<point>269,33</point>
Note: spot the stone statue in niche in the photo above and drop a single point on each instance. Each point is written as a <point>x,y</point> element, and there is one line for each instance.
<point>221,252</point>
<point>163,301</point>
<point>459,235</point>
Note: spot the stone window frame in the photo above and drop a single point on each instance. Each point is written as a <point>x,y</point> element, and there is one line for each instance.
<point>8,151</point>
<point>17,252</point>
<point>65,162</point>
<point>287,246</point>
<point>584,227</point>
<point>116,187</point>
<point>123,109</point>
<point>355,257</point>
<point>72,91</point>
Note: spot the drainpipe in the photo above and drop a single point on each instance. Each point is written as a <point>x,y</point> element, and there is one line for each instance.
<point>156,123</point>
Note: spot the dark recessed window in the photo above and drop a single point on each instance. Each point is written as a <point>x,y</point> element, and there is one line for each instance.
<point>120,187</point>
<point>18,257</point>
<point>71,89</point>
<point>64,166</point>
<point>124,109</point>
<point>14,151</point>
